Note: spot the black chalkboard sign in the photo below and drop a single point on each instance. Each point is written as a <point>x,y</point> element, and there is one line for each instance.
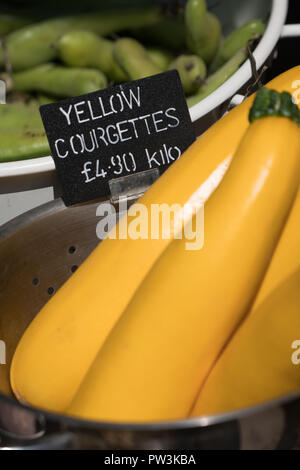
<point>116,132</point>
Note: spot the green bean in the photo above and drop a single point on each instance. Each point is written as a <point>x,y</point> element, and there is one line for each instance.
<point>36,44</point>
<point>236,40</point>
<point>218,78</point>
<point>161,57</point>
<point>85,49</point>
<point>9,23</point>
<point>192,72</point>
<point>203,30</point>
<point>59,81</point>
<point>134,59</point>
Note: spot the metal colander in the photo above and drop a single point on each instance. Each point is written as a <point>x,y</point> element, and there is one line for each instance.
<point>38,253</point>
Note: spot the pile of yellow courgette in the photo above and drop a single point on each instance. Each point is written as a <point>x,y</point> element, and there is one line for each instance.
<point>147,331</point>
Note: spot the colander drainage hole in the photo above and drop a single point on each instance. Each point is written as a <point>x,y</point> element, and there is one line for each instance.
<point>72,250</point>
<point>50,291</point>
<point>74,268</point>
<point>35,281</point>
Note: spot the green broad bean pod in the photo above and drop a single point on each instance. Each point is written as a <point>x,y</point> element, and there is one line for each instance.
<point>192,72</point>
<point>22,132</point>
<point>134,59</point>
<point>18,146</point>
<point>86,49</point>
<point>161,57</point>
<point>203,30</point>
<point>16,116</point>
<point>236,40</point>
<point>36,44</point>
<point>59,81</point>
<point>218,78</point>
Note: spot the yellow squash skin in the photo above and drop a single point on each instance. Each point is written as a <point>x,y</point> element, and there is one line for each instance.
<point>61,343</point>
<point>257,365</point>
<point>286,259</point>
<point>230,385</point>
<point>155,360</point>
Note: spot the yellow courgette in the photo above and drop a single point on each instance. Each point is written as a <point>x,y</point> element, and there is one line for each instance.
<point>155,360</point>
<point>261,361</point>
<point>286,259</point>
<point>60,344</point>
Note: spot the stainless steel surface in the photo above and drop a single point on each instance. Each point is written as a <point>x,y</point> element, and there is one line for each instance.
<point>38,252</point>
